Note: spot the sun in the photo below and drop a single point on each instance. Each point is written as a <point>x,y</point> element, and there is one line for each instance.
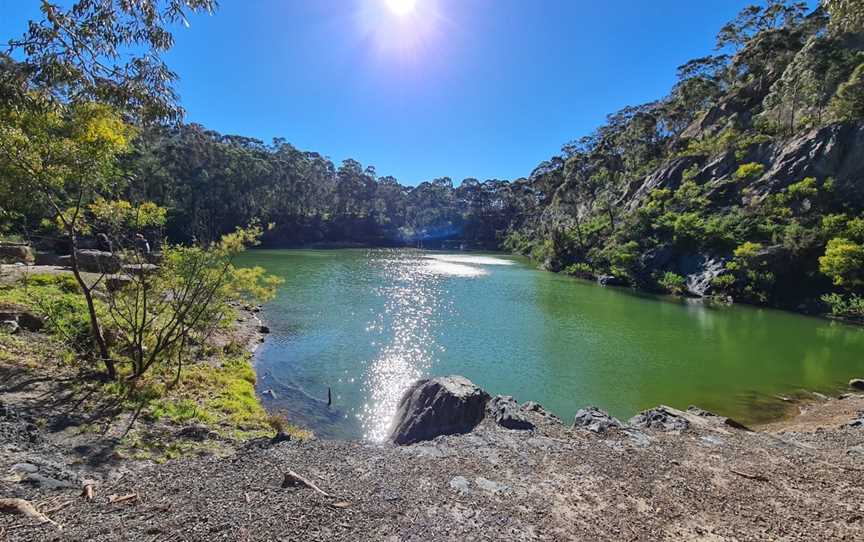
<point>402,7</point>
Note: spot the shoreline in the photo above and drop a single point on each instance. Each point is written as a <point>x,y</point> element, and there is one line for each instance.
<point>704,480</point>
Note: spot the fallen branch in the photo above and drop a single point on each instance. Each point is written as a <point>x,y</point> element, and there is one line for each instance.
<point>114,499</point>
<point>59,507</point>
<point>292,479</point>
<point>757,477</point>
<point>24,508</point>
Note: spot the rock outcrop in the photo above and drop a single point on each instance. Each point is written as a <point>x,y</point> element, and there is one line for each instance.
<point>18,317</point>
<point>94,261</point>
<point>595,420</point>
<point>507,413</point>
<point>661,418</point>
<point>16,254</point>
<point>438,406</point>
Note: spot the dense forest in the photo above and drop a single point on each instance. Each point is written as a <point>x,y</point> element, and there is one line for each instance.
<point>211,183</point>
<point>744,183</point>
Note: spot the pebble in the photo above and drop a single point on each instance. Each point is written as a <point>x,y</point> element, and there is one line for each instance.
<point>461,484</point>
<point>489,485</point>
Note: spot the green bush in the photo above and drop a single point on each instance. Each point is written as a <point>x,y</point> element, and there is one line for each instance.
<point>673,283</point>
<point>851,306</point>
<point>581,270</point>
<point>55,298</point>
<point>843,262</point>
<point>749,172</point>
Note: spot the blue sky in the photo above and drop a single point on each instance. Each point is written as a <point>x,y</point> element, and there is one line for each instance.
<point>459,88</point>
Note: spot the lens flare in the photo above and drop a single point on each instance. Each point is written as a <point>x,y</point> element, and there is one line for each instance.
<point>402,7</point>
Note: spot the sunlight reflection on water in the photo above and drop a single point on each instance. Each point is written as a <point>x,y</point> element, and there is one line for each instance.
<point>465,259</point>
<point>412,310</point>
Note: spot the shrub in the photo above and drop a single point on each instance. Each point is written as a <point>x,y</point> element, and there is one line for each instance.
<point>804,189</point>
<point>845,306</point>
<point>689,228</point>
<point>581,270</point>
<point>843,262</point>
<point>749,172</point>
<point>673,283</point>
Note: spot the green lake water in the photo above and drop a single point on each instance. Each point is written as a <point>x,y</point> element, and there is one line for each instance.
<point>366,323</point>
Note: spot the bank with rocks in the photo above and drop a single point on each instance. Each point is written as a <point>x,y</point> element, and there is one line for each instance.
<point>490,468</point>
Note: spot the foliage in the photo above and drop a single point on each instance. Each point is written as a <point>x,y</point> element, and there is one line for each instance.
<point>108,51</point>
<point>58,299</point>
<point>581,270</point>
<point>673,283</point>
<point>846,15</point>
<point>748,172</point>
<point>843,262</point>
<point>159,314</point>
<point>851,306</point>
<point>848,102</point>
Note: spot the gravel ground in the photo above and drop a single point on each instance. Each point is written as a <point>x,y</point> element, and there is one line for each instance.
<point>710,482</point>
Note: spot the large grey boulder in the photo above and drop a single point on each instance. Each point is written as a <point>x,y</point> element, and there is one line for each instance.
<point>95,261</point>
<point>10,253</point>
<point>438,406</point>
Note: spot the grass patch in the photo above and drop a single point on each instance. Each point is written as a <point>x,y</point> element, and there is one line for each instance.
<point>216,390</point>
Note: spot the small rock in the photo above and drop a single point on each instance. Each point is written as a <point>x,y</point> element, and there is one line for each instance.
<point>659,418</point>
<point>857,384</point>
<point>611,280</point>
<point>506,413</point>
<point>263,329</point>
<point>711,440</point>
<point>281,436</point>
<point>533,406</point>
<point>461,484</point>
<point>44,482</point>
<point>197,432</point>
<point>10,326</point>
<point>24,467</point>
<point>490,486</point>
<point>856,450</point>
<point>857,422</point>
<point>595,420</point>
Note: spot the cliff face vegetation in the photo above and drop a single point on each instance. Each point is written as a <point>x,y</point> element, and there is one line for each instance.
<point>745,182</point>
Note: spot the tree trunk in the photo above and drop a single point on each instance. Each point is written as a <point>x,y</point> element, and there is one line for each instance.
<point>95,328</point>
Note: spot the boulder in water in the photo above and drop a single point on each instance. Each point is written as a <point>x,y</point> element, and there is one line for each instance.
<point>438,406</point>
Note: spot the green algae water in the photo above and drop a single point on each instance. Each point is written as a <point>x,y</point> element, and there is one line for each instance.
<point>366,323</point>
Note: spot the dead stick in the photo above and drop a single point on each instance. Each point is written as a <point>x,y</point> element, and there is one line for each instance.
<point>24,508</point>
<point>292,479</point>
<point>758,477</point>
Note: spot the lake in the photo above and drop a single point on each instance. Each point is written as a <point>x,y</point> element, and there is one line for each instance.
<point>367,323</point>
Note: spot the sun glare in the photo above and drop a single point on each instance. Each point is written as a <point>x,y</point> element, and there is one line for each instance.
<point>402,7</point>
